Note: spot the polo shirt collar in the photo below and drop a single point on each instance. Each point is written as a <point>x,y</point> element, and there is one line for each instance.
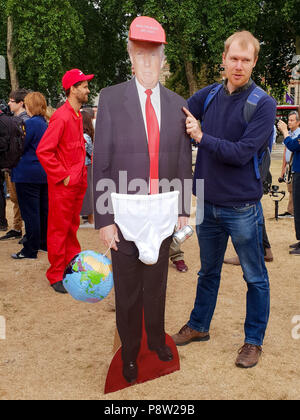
<point>238,90</point>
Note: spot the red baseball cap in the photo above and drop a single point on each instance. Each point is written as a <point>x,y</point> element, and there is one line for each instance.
<point>74,76</point>
<point>144,28</point>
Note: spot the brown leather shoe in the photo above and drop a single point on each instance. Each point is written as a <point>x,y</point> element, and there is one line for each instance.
<point>232,261</point>
<point>186,335</point>
<point>269,255</point>
<point>248,356</point>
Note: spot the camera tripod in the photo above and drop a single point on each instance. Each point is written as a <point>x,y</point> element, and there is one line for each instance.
<point>276,196</point>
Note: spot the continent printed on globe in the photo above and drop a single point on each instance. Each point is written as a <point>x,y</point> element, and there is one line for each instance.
<point>88,277</point>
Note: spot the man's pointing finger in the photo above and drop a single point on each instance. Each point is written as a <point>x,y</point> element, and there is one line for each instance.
<point>187,112</point>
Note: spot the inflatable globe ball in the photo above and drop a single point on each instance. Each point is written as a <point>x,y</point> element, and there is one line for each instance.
<point>88,277</point>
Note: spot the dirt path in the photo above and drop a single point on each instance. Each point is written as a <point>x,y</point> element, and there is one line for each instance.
<point>57,348</point>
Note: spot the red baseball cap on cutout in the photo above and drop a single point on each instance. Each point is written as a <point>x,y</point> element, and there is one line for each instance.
<point>144,28</point>
<point>74,76</point>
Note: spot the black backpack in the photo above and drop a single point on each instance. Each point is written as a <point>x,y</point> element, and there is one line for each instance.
<point>13,146</point>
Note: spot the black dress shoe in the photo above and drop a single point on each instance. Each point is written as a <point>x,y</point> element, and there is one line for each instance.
<point>59,287</point>
<point>295,246</point>
<point>164,353</point>
<point>130,372</point>
<point>295,251</point>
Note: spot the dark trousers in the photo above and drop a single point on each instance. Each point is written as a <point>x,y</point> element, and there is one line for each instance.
<point>33,202</point>
<point>296,198</point>
<point>266,242</point>
<point>139,289</point>
<point>3,221</point>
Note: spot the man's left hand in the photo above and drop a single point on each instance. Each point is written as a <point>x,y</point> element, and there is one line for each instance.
<point>182,222</point>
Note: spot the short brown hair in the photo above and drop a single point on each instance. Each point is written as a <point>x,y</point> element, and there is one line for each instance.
<point>36,103</point>
<point>18,95</point>
<point>68,91</point>
<point>245,38</point>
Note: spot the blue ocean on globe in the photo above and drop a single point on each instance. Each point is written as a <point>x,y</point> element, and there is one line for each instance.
<point>88,277</point>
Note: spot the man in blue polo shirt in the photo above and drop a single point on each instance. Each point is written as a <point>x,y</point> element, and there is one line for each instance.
<point>232,191</point>
<point>293,145</point>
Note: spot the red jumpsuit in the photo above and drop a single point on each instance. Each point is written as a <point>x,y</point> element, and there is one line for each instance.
<point>62,153</point>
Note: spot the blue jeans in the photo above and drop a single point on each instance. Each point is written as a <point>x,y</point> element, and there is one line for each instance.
<point>245,226</point>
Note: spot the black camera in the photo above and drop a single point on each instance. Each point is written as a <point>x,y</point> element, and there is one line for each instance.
<point>4,107</point>
<point>276,196</point>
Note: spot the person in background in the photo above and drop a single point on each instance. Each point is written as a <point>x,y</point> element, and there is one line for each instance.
<point>293,144</point>
<point>4,139</point>
<point>31,180</point>
<point>294,131</point>
<point>176,255</point>
<point>62,155</point>
<point>16,105</point>
<point>88,134</point>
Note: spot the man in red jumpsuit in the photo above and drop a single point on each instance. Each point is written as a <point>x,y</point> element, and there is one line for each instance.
<point>62,155</point>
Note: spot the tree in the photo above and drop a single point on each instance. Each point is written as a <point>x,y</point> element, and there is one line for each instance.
<point>44,35</point>
<point>45,39</point>
<point>196,31</point>
<point>277,29</point>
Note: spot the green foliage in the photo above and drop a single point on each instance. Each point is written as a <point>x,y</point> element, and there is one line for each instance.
<point>45,34</point>
<point>51,37</point>
<point>277,31</point>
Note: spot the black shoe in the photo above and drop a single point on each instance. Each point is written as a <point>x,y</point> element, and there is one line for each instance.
<point>285,215</point>
<point>294,246</point>
<point>12,234</point>
<point>21,256</point>
<point>130,372</point>
<point>164,353</point>
<point>295,251</point>
<point>59,287</point>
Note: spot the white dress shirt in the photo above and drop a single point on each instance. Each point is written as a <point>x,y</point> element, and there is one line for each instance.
<point>155,100</point>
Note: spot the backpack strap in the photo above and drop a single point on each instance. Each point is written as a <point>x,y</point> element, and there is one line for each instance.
<point>252,101</point>
<point>212,93</point>
<point>250,106</point>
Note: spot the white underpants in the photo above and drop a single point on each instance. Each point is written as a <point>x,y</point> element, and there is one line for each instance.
<point>147,220</point>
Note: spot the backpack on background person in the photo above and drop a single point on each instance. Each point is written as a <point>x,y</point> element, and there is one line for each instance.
<point>12,138</point>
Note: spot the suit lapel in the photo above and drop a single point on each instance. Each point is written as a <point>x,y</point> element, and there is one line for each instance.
<point>165,118</point>
<point>133,108</point>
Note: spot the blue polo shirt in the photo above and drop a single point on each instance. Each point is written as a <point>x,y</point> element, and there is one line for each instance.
<point>225,154</point>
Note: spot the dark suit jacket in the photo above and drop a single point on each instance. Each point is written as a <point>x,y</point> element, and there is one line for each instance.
<point>121,145</point>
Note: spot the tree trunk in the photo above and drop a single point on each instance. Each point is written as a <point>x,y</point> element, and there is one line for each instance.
<point>189,71</point>
<point>10,55</point>
<point>298,45</point>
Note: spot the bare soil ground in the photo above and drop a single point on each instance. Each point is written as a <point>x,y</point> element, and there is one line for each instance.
<point>57,348</point>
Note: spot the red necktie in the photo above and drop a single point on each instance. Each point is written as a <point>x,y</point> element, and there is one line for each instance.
<point>153,143</point>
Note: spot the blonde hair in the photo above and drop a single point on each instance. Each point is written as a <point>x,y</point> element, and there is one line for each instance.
<point>36,103</point>
<point>244,38</point>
